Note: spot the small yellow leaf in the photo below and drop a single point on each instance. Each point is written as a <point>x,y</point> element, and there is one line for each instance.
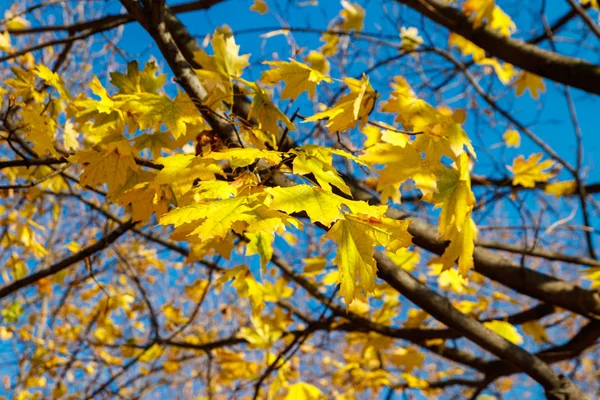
<point>351,108</point>
<point>53,79</point>
<point>260,6</point>
<point>266,113</point>
<point>355,238</point>
<point>528,81</point>
<point>353,16</point>
<point>303,391</point>
<point>15,22</point>
<point>5,334</point>
<point>70,137</point>
<point>536,331</point>
<point>466,47</point>
<point>317,61</point>
<point>528,172</point>
<point>506,330</point>
<point>410,38</point>
<point>5,41</point>
<point>512,138</point>
<point>502,23</point>
<point>559,189</point>
<point>260,243</point>
<point>480,10</point>
<point>298,77</point>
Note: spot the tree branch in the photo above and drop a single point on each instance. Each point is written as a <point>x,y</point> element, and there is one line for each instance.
<point>568,70</point>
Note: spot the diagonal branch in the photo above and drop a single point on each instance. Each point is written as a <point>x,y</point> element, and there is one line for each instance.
<point>571,71</point>
<point>442,310</point>
<point>67,262</point>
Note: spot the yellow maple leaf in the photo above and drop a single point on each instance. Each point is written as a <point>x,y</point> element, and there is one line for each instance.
<point>260,243</point>
<point>318,161</point>
<point>504,71</point>
<point>558,189</point>
<point>405,259</point>
<point>181,170</point>
<point>449,278</point>
<point>407,358</point>
<point>111,167</point>
<point>298,77</point>
<point>242,157</point>
<point>512,138</point>
<point>528,81</point>
<point>480,10</point>
<point>245,284</point>
<point>353,16</point>
<point>136,81</point>
<point>5,41</point>
<point>528,172</point>
<point>331,43</point>
<point>40,128</point>
<point>303,391</point>
<point>15,22</point>
<point>70,136</point>
<point>351,108</point>
<point>506,330</point>
<point>354,258</point>
<point>410,38</point>
<point>217,70</point>
<point>211,218</point>
<point>151,111</point>
<point>461,247</point>
<point>317,61</point>
<point>466,47</point>
<point>260,6</point>
<point>261,335</point>
<point>265,112</point>
<point>355,237</point>
<point>320,205</point>
<point>536,331</point>
<point>52,79</point>
<point>502,23</point>
<point>401,164</point>
<point>227,58</point>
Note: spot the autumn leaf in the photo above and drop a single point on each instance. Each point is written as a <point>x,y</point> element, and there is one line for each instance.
<point>260,6</point>
<point>353,16</point>
<point>5,42</point>
<point>528,172</point>
<point>110,167</point>
<point>226,53</point>
<point>528,81</point>
<point>506,330</point>
<point>512,138</point>
<point>318,62</point>
<point>303,391</point>
<point>151,111</point>
<point>320,205</point>
<point>410,38</point>
<point>265,112</point>
<point>136,81</point>
<point>466,47</point>
<point>351,108</point>
<point>53,79</point>
<point>401,164</point>
<point>355,238</point>
<point>536,331</point>
<point>559,189</point>
<point>298,77</point>
<point>480,10</point>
